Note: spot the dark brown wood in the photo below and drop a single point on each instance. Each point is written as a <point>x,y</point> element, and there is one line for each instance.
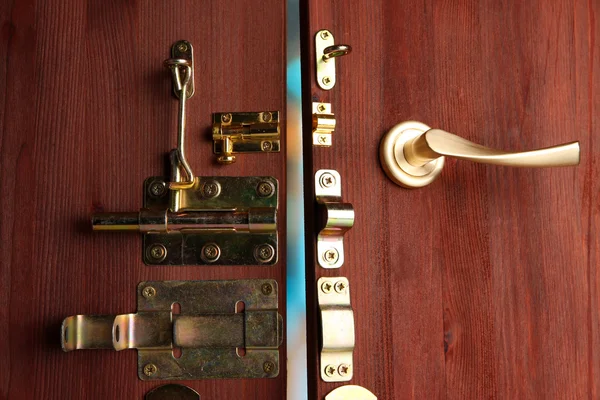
<point>86,115</point>
<point>484,284</point>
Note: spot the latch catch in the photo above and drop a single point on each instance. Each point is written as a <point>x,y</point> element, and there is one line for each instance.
<point>205,338</point>
<point>323,124</point>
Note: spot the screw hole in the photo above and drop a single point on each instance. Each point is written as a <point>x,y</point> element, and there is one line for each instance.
<point>175,308</point>
<point>176,352</point>
<point>66,334</point>
<point>240,306</point>
<point>117,333</point>
<point>240,351</point>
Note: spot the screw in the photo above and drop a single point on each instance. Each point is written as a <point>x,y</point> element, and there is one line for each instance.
<point>327,180</point>
<point>324,35</point>
<point>211,252</point>
<point>157,188</point>
<point>150,369</point>
<point>330,370</point>
<point>264,253</point>
<point>267,289</point>
<point>326,287</point>
<point>331,256</point>
<point>226,118</point>
<point>267,116</point>
<point>267,146</point>
<point>265,189</point>
<point>157,253</point>
<point>321,107</point>
<point>344,369</point>
<point>211,189</point>
<point>148,292</point>
<point>326,81</point>
<point>182,47</point>
<point>268,367</point>
<point>340,286</point>
<point>322,139</point>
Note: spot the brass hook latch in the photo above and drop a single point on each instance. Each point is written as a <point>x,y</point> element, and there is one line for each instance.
<point>326,51</point>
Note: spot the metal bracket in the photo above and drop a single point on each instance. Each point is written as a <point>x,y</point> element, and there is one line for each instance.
<point>206,339</point>
<point>220,220</point>
<point>323,124</point>
<point>325,53</point>
<point>245,132</point>
<point>340,218</point>
<point>337,329</point>
<point>182,50</point>
<point>350,392</point>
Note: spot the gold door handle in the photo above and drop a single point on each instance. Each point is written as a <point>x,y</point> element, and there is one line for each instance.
<point>412,154</point>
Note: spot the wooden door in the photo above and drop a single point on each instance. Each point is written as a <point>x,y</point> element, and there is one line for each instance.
<point>483,284</point>
<point>86,115</point>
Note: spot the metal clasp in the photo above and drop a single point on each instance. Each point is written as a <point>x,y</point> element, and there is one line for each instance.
<point>326,52</point>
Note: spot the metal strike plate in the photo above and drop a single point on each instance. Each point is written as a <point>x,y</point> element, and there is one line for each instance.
<point>245,132</point>
<point>350,392</point>
<point>337,329</point>
<point>183,50</point>
<point>204,337</point>
<point>339,218</point>
<point>236,223</point>
<point>323,124</point>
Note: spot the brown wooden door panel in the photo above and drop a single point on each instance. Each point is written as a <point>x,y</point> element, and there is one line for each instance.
<point>87,115</point>
<point>483,284</point>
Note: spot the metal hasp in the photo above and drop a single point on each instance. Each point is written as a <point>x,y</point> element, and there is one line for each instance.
<point>339,218</point>
<point>350,392</point>
<point>323,124</point>
<point>412,154</point>
<point>204,337</point>
<point>326,52</point>
<point>245,132</point>
<point>218,221</point>
<point>190,220</point>
<point>337,329</point>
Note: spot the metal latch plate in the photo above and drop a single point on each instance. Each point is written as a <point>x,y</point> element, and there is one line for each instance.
<point>207,330</point>
<point>217,245</point>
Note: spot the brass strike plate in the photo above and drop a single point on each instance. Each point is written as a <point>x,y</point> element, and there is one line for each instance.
<point>245,132</point>
<point>323,124</point>
<point>237,225</point>
<point>204,339</point>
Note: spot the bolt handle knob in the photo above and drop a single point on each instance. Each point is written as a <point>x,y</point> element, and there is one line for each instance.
<point>412,154</point>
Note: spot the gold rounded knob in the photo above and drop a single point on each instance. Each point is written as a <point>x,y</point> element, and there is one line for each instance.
<point>412,154</point>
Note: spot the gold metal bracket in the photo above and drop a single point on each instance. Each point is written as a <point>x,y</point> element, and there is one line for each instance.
<point>245,132</point>
<point>204,337</point>
<point>323,124</point>
<point>339,218</point>
<point>326,52</point>
<point>337,329</point>
<point>220,220</point>
<point>350,392</point>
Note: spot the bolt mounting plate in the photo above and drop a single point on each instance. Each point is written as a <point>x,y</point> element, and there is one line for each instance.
<point>207,330</point>
<point>236,246</point>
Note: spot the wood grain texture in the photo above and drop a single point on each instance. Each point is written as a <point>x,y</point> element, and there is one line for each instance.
<point>86,114</point>
<point>485,283</point>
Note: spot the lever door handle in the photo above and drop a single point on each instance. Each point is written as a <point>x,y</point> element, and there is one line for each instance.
<point>412,154</point>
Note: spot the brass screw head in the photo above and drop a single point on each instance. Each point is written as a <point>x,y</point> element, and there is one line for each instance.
<point>182,47</point>
<point>157,253</point>
<point>330,370</point>
<point>264,253</point>
<point>265,189</point>
<point>267,146</point>
<point>340,286</point>
<point>326,287</point>
<point>327,180</point>
<point>150,369</point>
<point>210,189</point>
<point>267,116</point>
<point>324,35</point>
<point>268,367</point>
<point>321,107</point>
<point>322,139</point>
<point>331,256</point>
<point>157,188</point>
<point>210,252</point>
<point>326,81</point>
<point>226,118</point>
<point>266,289</point>
<point>148,292</point>
<point>344,369</point>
